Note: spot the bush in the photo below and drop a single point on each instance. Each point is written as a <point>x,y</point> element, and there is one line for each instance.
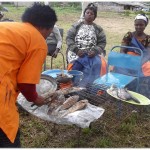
<point>127,13</point>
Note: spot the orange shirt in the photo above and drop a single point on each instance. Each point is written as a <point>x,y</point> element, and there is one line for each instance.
<point>22,53</point>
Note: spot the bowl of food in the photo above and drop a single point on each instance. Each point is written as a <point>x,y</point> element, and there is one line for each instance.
<point>64,78</point>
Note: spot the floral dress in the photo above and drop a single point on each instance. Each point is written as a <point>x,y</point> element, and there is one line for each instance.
<point>143,44</point>
<point>129,35</point>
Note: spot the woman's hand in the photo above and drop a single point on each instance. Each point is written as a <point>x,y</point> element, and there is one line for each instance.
<point>80,53</point>
<point>55,53</point>
<point>39,101</point>
<point>91,53</point>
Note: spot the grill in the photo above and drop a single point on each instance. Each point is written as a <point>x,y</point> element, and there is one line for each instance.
<point>96,94</point>
<point>115,111</point>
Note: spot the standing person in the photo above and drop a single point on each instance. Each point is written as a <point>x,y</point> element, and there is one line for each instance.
<point>139,39</point>
<point>86,41</point>
<point>23,50</point>
<point>54,42</point>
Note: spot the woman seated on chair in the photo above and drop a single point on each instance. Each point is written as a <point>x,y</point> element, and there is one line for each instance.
<point>54,42</point>
<point>86,41</point>
<point>140,40</point>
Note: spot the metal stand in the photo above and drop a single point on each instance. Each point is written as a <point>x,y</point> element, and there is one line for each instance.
<point>62,58</point>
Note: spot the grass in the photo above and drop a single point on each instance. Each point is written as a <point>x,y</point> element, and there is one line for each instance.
<point>107,132</point>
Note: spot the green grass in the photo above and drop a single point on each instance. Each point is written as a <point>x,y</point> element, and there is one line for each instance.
<point>104,143</point>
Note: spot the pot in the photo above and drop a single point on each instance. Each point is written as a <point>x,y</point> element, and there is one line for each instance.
<point>77,76</point>
<point>64,78</point>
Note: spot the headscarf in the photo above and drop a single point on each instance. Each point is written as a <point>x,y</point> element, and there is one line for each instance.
<point>142,17</point>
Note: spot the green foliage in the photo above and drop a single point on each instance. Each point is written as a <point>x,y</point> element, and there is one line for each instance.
<point>86,131</point>
<point>104,143</point>
<point>66,10</point>
<point>127,13</point>
<point>128,125</point>
<point>68,4</point>
<point>1,8</point>
<point>126,128</point>
<point>70,144</point>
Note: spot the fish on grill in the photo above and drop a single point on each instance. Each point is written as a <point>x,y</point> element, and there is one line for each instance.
<point>66,91</point>
<point>69,102</point>
<point>122,93</point>
<point>56,100</point>
<point>77,106</point>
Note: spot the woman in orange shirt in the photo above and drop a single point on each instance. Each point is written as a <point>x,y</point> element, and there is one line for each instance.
<point>23,50</point>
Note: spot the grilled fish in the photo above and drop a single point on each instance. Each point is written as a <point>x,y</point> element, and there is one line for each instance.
<point>77,106</point>
<point>57,100</point>
<point>47,95</point>
<point>125,95</point>
<point>122,93</point>
<point>69,102</point>
<point>71,90</point>
<point>113,90</point>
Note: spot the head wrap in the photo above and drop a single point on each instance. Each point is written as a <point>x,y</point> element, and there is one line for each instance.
<point>142,17</point>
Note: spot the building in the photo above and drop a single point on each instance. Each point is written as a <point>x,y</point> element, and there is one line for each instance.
<point>121,6</point>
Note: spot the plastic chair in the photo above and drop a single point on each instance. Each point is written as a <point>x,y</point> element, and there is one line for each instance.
<point>124,61</point>
<point>63,57</point>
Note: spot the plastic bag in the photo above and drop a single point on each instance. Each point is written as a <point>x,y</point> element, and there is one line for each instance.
<point>81,118</point>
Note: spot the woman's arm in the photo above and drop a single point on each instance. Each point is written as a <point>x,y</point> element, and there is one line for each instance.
<point>101,39</point>
<point>148,42</point>
<point>70,39</point>
<point>29,92</point>
<point>123,50</point>
<point>58,37</point>
<point>126,42</point>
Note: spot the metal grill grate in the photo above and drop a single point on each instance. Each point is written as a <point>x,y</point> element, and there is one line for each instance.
<point>96,94</point>
<point>115,111</point>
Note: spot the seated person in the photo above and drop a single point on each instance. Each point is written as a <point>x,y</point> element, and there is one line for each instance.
<point>54,42</point>
<point>4,19</point>
<point>1,15</point>
<point>86,41</point>
<point>140,40</point>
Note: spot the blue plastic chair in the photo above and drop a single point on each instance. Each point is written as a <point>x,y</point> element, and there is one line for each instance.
<point>121,78</point>
<point>124,61</point>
